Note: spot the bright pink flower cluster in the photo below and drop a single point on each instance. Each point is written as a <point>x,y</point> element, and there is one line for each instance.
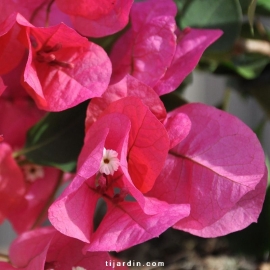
<point>193,169</point>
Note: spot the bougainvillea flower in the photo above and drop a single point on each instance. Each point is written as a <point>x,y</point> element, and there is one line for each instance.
<point>97,18</point>
<point>12,185</point>
<point>34,184</point>
<point>40,184</point>
<point>11,37</point>
<point>154,38</point>
<point>129,128</point>
<point>48,249</point>
<point>90,18</point>
<point>218,168</point>
<point>24,7</point>
<point>128,86</point>
<point>63,69</point>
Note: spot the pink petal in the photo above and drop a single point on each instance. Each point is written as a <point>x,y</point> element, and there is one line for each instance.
<point>11,180</point>
<point>29,245</point>
<point>12,50</point>
<point>97,18</point>
<point>67,252</point>
<point>143,12</point>
<point>218,168</point>
<point>46,247</point>
<point>128,86</point>
<point>6,266</point>
<point>191,43</point>
<point>14,127</point>
<point>41,17</point>
<point>178,126</point>
<point>24,7</point>
<point>148,142</point>
<point>126,225</point>
<point>63,213</point>
<point>246,211</point>
<point>34,201</point>
<point>55,87</point>
<point>73,215</point>
<point>154,43</point>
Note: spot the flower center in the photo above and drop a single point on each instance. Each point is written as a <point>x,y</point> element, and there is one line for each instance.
<point>32,172</point>
<point>109,162</point>
<point>47,54</point>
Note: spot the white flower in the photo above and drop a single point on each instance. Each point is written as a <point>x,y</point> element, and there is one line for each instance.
<point>109,163</point>
<point>32,172</point>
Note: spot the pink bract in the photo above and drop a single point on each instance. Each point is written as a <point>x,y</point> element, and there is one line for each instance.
<point>154,38</point>
<point>128,86</point>
<point>13,127</point>
<point>24,7</point>
<point>147,142</point>
<point>39,190</point>
<point>97,18</point>
<point>46,248</point>
<point>12,185</point>
<point>218,168</point>
<point>63,69</point>
<point>128,127</point>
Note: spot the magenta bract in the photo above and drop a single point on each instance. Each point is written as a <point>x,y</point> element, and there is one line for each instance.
<point>154,38</point>
<point>63,69</point>
<point>128,127</point>
<point>218,168</point>
<point>46,248</point>
<point>97,18</point>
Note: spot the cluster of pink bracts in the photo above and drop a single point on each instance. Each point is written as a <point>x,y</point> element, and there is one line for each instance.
<point>196,169</point>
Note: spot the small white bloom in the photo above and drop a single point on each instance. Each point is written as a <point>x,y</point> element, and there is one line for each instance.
<point>78,268</point>
<point>32,172</point>
<point>109,163</point>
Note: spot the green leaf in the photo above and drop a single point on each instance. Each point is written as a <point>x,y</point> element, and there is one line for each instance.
<point>221,14</point>
<point>249,66</point>
<point>265,4</point>
<point>251,13</point>
<point>57,139</point>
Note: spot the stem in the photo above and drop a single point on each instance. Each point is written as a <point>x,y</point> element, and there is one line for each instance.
<point>44,211</point>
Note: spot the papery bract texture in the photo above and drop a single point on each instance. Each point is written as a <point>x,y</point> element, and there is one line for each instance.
<point>20,114</point>
<point>97,18</point>
<point>219,169</point>
<point>128,86</point>
<point>24,7</point>
<point>128,127</point>
<point>154,38</point>
<point>12,49</point>
<point>40,183</point>
<point>12,185</point>
<point>49,249</point>
<point>63,69</point>
<point>191,43</point>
